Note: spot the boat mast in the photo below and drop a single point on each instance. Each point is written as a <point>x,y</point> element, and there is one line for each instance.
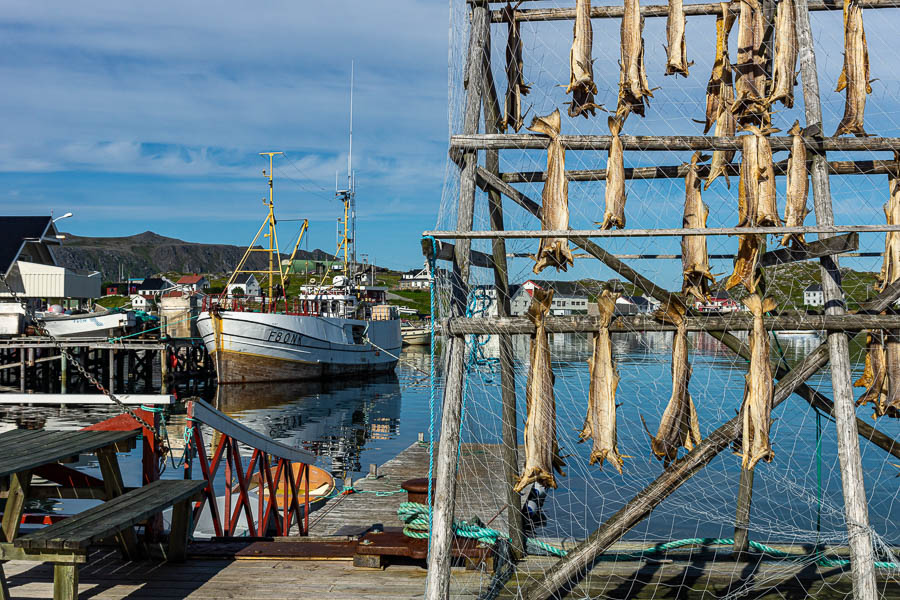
<point>273,244</point>
<point>347,234</point>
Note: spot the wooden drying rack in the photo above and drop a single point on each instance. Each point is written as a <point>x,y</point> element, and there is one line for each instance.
<point>468,145</point>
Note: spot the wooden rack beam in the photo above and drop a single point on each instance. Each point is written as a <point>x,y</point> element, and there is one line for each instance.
<point>528,141</point>
<point>446,251</point>
<point>840,167</point>
<point>637,323</point>
<point>662,232</point>
<point>656,10</point>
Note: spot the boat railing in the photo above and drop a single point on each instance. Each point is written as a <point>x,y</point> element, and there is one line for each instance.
<point>258,304</point>
<point>279,473</point>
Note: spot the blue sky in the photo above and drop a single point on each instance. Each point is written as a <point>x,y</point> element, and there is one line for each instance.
<point>150,116</point>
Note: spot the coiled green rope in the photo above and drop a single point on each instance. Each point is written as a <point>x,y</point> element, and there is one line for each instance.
<point>414,516</point>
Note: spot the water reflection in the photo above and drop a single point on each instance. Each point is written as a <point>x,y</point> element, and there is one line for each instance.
<point>332,419</point>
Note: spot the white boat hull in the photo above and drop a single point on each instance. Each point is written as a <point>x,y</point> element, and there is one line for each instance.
<point>88,326</point>
<point>252,347</point>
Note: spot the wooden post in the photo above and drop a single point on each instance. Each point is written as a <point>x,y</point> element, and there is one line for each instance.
<point>65,582</point>
<point>112,370</point>
<point>509,451</point>
<point>855,508</point>
<point>163,371</point>
<point>742,519</point>
<point>437,582</point>
<point>63,373</point>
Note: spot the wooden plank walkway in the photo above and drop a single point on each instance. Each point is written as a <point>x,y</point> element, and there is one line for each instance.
<point>703,575</point>
<point>479,493</point>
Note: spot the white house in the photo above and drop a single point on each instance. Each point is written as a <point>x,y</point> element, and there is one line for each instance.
<point>415,279</point>
<point>247,283</point>
<point>813,295</point>
<point>139,302</point>
<point>569,297</point>
<point>192,283</point>
<point>634,305</point>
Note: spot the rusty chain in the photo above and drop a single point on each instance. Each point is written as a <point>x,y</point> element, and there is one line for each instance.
<point>161,443</point>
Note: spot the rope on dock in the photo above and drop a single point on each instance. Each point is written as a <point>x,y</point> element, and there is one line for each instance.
<point>413,515</point>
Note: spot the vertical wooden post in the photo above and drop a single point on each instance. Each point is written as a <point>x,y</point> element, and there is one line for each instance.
<point>855,508</point>
<point>509,451</point>
<point>65,582</point>
<point>742,519</point>
<point>437,582</point>
<point>63,373</point>
<point>112,370</point>
<point>163,371</point>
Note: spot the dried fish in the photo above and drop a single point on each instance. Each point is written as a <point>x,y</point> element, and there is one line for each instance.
<point>767,207</point>
<point>720,97</point>
<point>756,411</point>
<point>874,377</point>
<point>795,210</point>
<point>746,263</point>
<point>679,425</point>
<point>890,268</point>
<point>694,258</point>
<point>677,62</point>
<point>784,65</point>
<point>581,64</point>
<point>515,80</point>
<point>555,197</point>
<point>855,74</point>
<point>633,86</point>
<point>749,106</point>
<point>748,186</point>
<point>892,366</point>
<point>541,449</point>
<point>614,216</point>
<point>600,423</point>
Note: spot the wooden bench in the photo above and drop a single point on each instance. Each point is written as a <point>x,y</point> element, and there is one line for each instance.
<point>65,543</point>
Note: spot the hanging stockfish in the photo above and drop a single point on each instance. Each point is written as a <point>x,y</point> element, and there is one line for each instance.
<point>676,51</point>
<point>892,366</point>
<point>746,263</point>
<point>890,267</point>
<point>855,74</point>
<point>756,411</point>
<point>795,210</point>
<point>555,197</point>
<point>720,97</point>
<point>679,426</point>
<point>748,186</point>
<point>581,64</point>
<point>600,422</point>
<point>515,80</point>
<point>694,259</point>
<point>749,106</point>
<point>614,216</point>
<point>874,377</point>
<point>766,207</point>
<point>633,86</point>
<point>784,65</point>
<point>541,449</point>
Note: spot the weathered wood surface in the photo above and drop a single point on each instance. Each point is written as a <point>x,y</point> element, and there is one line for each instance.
<point>79,531</point>
<point>527,141</point>
<point>484,234</point>
<point>657,10</point>
<point>483,493</point>
<point>840,167</point>
<point>23,449</point>
<point>631,323</point>
<point>700,574</point>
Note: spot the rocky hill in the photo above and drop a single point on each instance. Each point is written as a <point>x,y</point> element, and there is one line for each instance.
<point>148,253</point>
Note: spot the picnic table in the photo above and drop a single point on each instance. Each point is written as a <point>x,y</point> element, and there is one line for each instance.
<point>25,454</point>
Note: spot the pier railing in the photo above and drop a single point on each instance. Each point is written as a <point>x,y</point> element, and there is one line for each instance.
<point>280,475</point>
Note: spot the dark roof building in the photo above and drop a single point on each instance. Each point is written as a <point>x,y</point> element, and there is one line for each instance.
<point>27,239</point>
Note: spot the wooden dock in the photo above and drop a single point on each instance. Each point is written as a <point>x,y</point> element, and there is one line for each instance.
<point>480,493</point>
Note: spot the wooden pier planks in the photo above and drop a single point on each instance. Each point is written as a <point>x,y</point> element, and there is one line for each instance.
<point>479,493</point>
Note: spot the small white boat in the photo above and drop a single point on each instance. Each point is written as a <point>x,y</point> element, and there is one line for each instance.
<point>89,325</point>
<point>415,335</point>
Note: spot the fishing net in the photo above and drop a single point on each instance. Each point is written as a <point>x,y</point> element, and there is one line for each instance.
<point>797,501</point>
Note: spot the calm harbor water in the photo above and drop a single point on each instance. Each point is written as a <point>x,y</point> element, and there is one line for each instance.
<point>350,424</point>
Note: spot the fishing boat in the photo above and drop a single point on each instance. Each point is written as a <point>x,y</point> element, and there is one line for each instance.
<point>89,325</point>
<point>343,327</point>
<point>415,334</point>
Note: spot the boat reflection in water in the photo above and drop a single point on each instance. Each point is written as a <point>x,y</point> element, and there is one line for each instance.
<point>333,419</point>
